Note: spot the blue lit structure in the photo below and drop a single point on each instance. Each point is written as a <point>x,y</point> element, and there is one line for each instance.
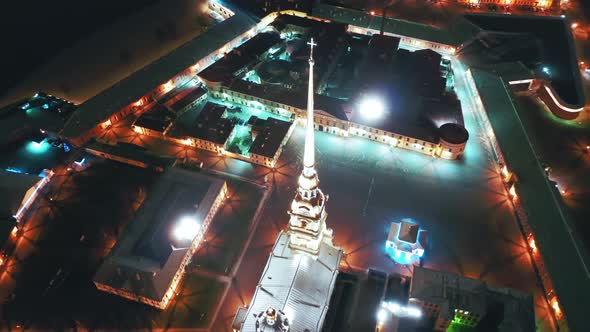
<point>15,170</point>
<point>38,147</point>
<point>405,242</point>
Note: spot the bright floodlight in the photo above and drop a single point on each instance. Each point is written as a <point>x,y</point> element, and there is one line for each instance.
<point>186,228</point>
<point>372,107</point>
<point>381,315</point>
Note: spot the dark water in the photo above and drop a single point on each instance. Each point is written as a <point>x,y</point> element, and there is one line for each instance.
<point>32,32</point>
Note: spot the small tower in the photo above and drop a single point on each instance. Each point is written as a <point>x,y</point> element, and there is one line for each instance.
<point>307,224</point>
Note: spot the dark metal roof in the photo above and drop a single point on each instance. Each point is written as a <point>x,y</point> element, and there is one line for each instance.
<point>563,254</point>
<point>268,140</point>
<point>108,102</point>
<point>392,25</point>
<point>146,258</point>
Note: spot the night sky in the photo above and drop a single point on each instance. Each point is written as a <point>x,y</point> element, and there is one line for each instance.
<point>35,31</point>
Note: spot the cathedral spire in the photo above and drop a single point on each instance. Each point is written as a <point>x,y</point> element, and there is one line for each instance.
<point>307,225</point>
<point>309,155</point>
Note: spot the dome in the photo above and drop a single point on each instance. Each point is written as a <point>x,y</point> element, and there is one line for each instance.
<point>453,133</point>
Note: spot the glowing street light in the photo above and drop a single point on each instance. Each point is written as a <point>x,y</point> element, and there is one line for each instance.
<point>400,310</point>
<point>381,315</point>
<point>372,107</point>
<point>546,70</point>
<point>186,228</point>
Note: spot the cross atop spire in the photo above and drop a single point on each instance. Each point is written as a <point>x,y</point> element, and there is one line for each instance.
<point>311,44</point>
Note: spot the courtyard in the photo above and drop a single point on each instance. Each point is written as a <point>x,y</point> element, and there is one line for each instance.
<point>462,204</point>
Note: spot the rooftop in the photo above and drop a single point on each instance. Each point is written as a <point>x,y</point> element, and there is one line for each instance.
<point>553,37</point>
<point>131,152</point>
<point>209,125</point>
<point>13,189</point>
<point>108,102</point>
<point>157,118</point>
<point>413,91</point>
<point>392,25</point>
<point>194,94</point>
<point>452,291</point>
<point>297,284</point>
<point>147,256</point>
<point>271,133</point>
<point>224,69</point>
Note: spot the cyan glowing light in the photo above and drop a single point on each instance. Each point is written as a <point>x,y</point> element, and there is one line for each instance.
<point>37,147</point>
<point>15,170</point>
<point>81,162</point>
<point>25,106</point>
<point>371,107</point>
<point>546,70</point>
<point>186,228</point>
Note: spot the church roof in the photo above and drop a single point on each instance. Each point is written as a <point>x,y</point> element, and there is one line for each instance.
<point>297,284</point>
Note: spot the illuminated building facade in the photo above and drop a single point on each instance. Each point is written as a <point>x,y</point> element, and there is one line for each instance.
<point>128,153</point>
<point>300,274</point>
<point>148,261</point>
<point>221,9</point>
<point>18,191</point>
